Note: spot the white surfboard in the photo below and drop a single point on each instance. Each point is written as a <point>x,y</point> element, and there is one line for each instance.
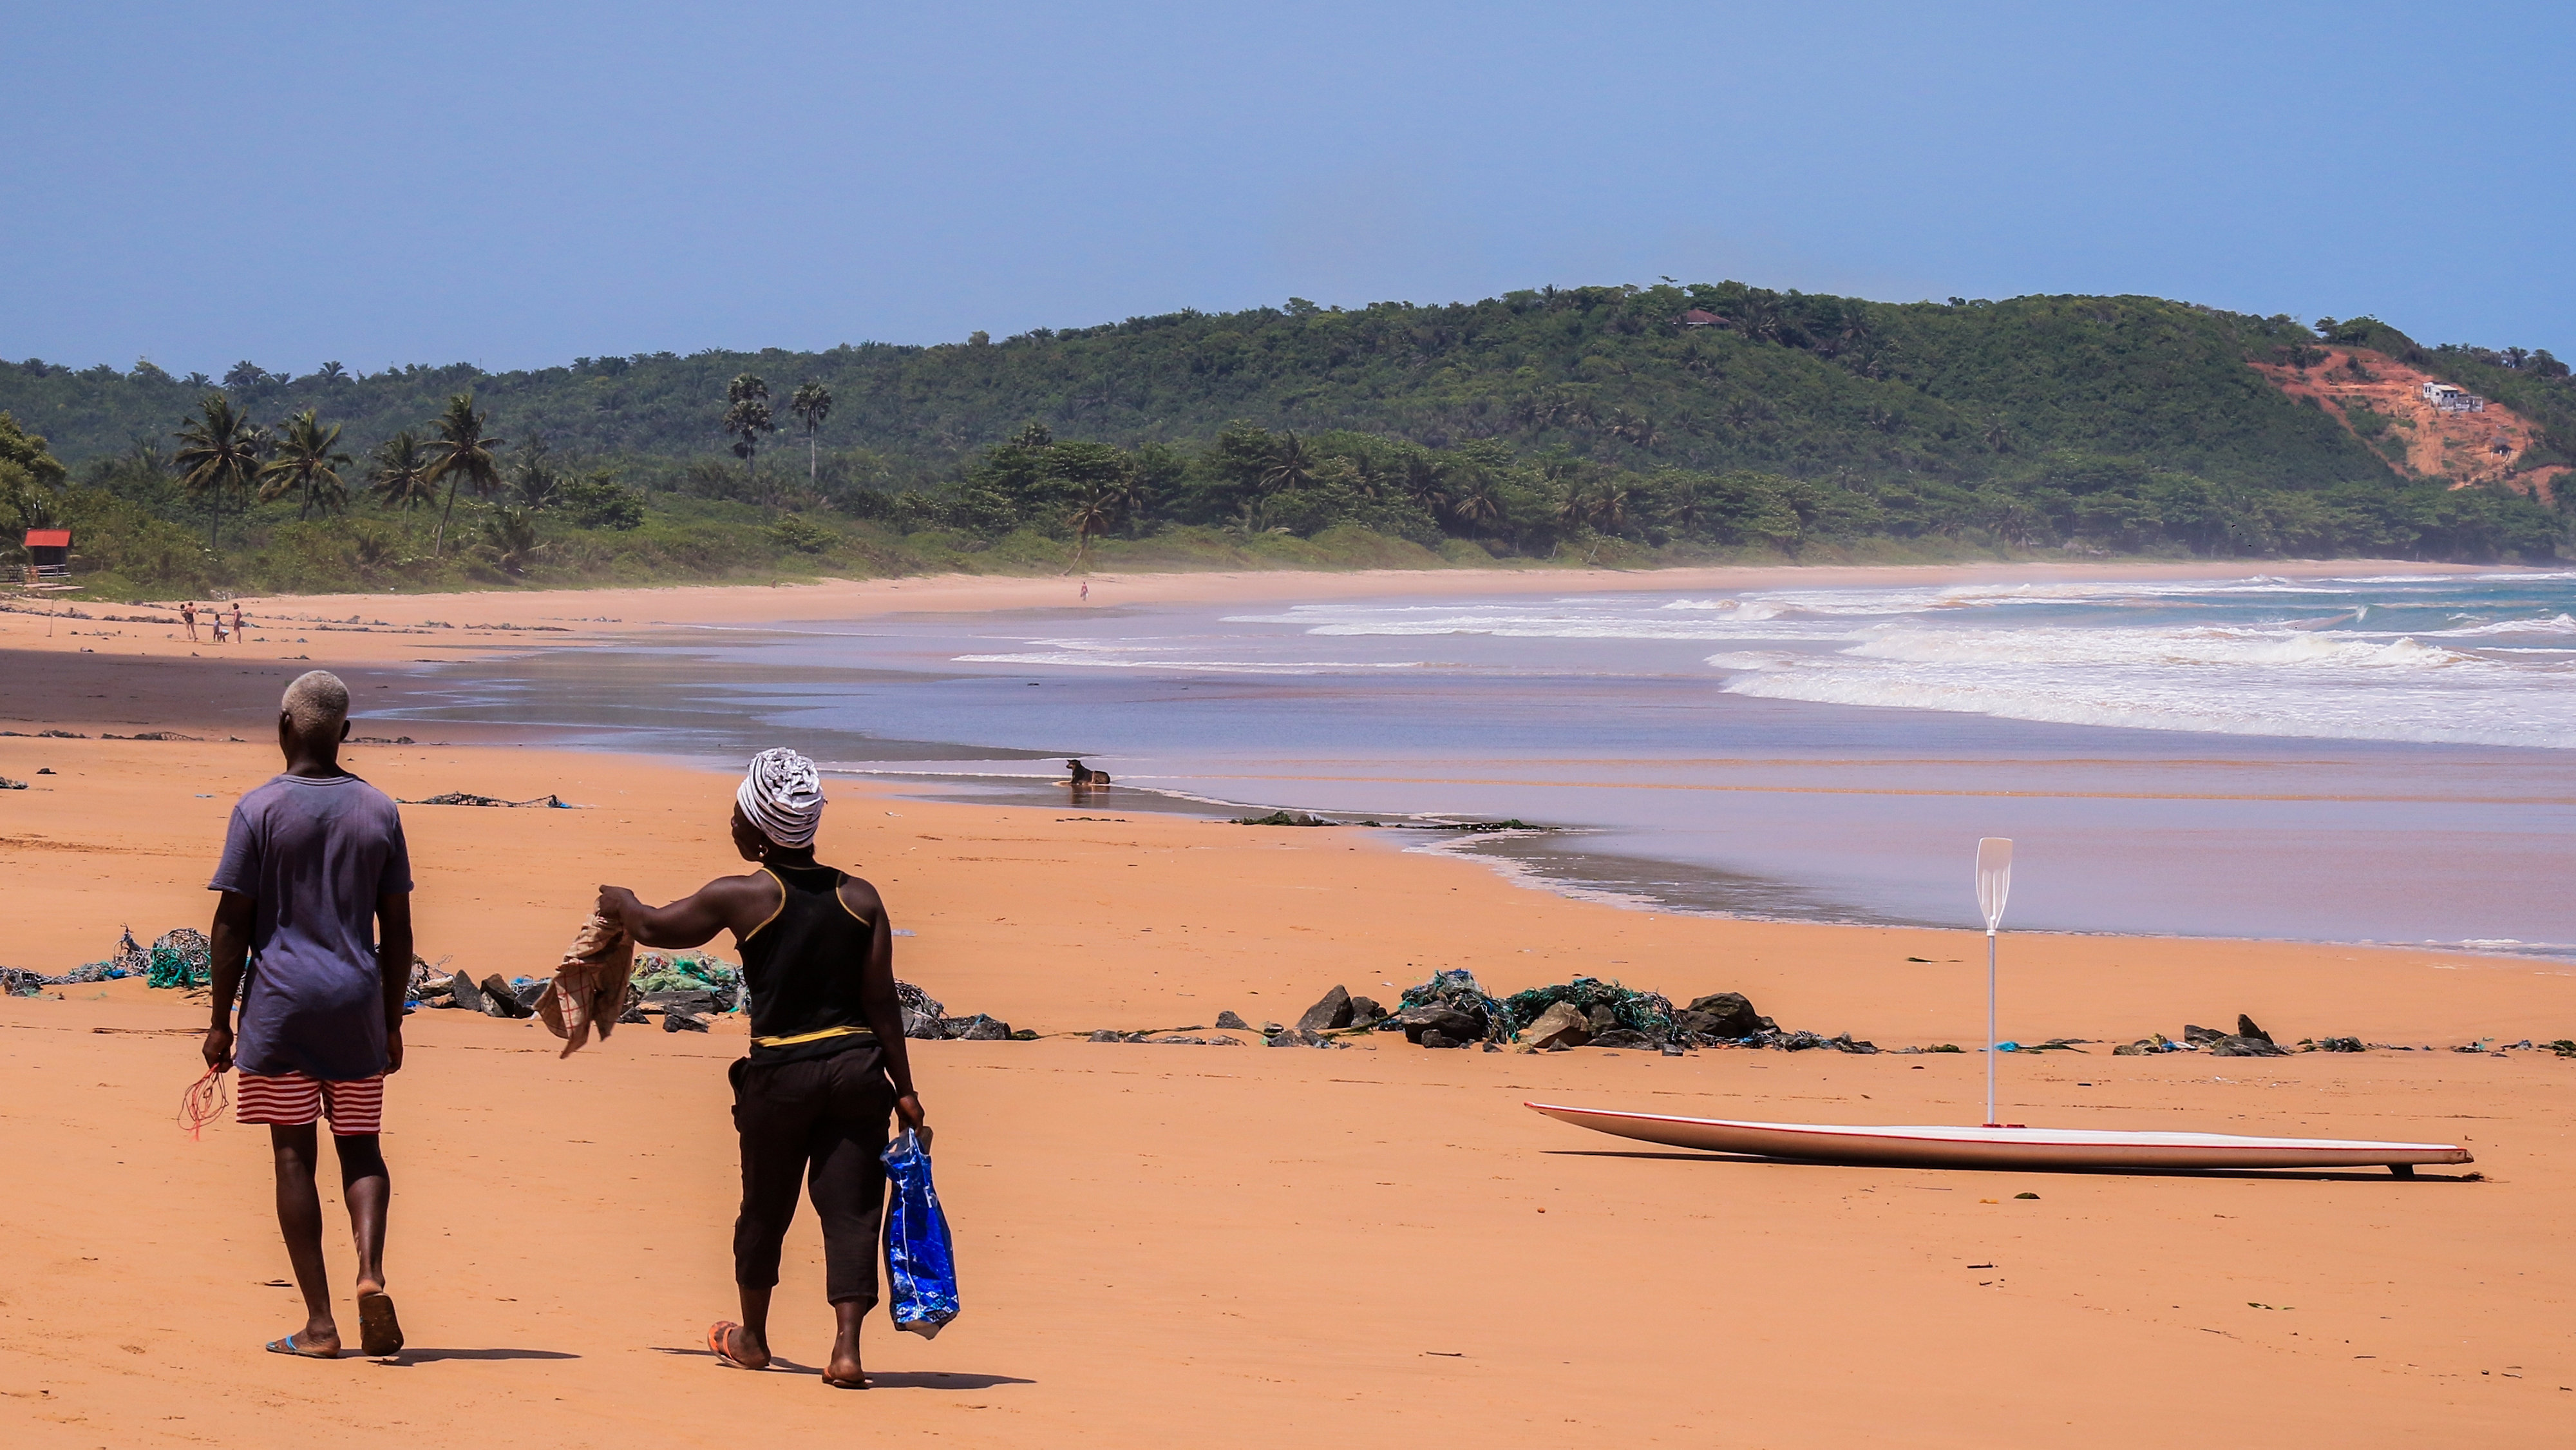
<point>1940,1147</point>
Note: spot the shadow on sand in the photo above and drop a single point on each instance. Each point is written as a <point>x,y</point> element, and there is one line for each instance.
<point>2303,1175</point>
<point>433,1356</point>
<point>878,1379</point>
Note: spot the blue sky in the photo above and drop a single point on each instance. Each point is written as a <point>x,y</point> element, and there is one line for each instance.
<point>518,185</point>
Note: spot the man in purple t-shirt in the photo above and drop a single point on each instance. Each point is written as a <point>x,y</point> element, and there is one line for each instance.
<point>316,912</point>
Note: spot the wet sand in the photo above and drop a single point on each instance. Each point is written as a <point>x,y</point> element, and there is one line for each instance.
<point>1169,1245</point>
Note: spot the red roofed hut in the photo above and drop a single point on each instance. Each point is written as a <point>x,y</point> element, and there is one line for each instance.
<point>49,554</point>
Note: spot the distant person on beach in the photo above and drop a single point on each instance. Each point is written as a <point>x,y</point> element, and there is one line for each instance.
<point>237,624</point>
<point>188,617</point>
<point>220,635</point>
<point>827,1056</point>
<point>1086,591</point>
<point>314,935</point>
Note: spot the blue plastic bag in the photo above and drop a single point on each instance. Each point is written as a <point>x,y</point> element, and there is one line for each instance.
<point>921,1265</point>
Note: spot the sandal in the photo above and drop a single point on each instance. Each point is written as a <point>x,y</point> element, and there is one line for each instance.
<point>289,1346</point>
<point>719,1341</point>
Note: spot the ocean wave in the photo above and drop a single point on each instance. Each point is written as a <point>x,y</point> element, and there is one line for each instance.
<point>1762,659</point>
<point>1093,660</point>
<point>2213,646</point>
<point>2426,714</point>
<point>2560,624</point>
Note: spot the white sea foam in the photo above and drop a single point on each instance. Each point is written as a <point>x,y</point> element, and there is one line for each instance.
<point>1089,659</point>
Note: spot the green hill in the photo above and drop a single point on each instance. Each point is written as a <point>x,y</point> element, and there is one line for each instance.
<point>1644,423</point>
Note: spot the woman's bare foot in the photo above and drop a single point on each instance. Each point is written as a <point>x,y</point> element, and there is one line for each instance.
<point>843,1372</point>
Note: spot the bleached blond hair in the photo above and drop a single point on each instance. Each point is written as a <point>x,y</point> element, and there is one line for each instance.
<point>317,703</point>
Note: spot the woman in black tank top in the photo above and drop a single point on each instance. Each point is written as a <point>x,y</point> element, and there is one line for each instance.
<point>827,1061</point>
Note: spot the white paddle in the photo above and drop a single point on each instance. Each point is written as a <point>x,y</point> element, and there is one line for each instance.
<point>1994,883</point>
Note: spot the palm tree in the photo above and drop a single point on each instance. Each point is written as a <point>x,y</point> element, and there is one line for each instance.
<point>218,454</point>
<point>510,541</point>
<point>1476,503</point>
<point>811,403</point>
<point>1097,513</point>
<point>462,453</point>
<point>399,473</point>
<point>746,417</point>
<point>1289,467</point>
<point>308,465</point>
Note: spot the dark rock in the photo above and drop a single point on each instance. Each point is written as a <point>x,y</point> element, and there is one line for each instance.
<point>1434,1037</point>
<point>2339,1044</point>
<point>461,992</point>
<point>1449,1022</point>
<point>634,1013</point>
<point>1798,1041</point>
<point>1727,1014</point>
<point>1296,1037</point>
<point>1267,1028</point>
<point>527,993</point>
<point>1234,1020</point>
<point>2245,1028</point>
<point>1333,1012</point>
<point>684,1000</point>
<point>1672,1049</point>
<point>1103,1035</point>
<point>978,1028</point>
<point>1844,1043</point>
<point>1365,1010</point>
<point>1562,1022</point>
<point>2239,1046</point>
<point>2199,1036</point>
<point>2140,1048</point>
<point>1601,1019</point>
<point>1623,1037</point>
<point>499,1000</point>
<point>683,1022</point>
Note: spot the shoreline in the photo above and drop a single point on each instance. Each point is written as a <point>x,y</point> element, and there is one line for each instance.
<point>392,627</point>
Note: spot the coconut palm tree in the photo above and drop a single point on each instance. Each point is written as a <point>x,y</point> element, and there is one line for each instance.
<point>811,403</point>
<point>399,473</point>
<point>1289,467</point>
<point>219,452</point>
<point>1475,503</point>
<point>1096,514</point>
<point>462,453</point>
<point>308,465</point>
<point>510,541</point>
<point>746,417</point>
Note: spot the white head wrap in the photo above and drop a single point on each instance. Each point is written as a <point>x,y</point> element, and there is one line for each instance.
<point>782,797</point>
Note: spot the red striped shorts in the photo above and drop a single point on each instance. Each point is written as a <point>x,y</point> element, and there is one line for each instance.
<point>291,1100</point>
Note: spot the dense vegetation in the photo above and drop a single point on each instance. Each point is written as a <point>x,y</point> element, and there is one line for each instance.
<point>1611,424</point>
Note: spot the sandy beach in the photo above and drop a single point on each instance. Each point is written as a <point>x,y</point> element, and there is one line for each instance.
<point>1174,1244</point>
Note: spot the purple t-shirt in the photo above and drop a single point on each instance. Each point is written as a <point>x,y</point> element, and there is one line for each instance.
<point>313,855</point>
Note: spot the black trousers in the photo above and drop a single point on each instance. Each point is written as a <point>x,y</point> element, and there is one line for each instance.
<point>823,1121</point>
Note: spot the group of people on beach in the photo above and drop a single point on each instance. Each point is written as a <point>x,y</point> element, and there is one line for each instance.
<point>215,616</point>
<point>313,942</point>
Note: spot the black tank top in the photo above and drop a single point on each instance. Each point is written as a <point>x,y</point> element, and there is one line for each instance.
<point>803,966</point>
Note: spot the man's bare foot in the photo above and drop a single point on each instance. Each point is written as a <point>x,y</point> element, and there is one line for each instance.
<point>843,1373</point>
<point>734,1345</point>
<point>310,1342</point>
